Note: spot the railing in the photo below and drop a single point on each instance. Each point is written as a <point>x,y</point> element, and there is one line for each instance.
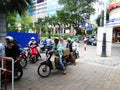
<point>2,68</point>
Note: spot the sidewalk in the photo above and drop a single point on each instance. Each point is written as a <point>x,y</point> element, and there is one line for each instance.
<point>92,57</point>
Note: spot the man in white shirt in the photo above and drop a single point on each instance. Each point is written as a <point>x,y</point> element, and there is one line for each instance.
<point>2,49</point>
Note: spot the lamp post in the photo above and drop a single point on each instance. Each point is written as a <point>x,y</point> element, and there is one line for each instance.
<point>103,54</point>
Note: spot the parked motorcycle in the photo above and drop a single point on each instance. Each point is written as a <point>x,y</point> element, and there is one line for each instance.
<point>44,69</point>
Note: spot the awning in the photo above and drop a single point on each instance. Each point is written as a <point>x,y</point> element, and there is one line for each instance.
<point>113,6</point>
<point>118,29</point>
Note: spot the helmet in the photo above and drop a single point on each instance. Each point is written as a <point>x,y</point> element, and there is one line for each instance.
<point>56,38</point>
<point>68,39</point>
<point>10,38</point>
<point>32,37</point>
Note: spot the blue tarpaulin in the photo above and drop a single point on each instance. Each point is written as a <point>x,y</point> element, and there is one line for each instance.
<point>23,38</point>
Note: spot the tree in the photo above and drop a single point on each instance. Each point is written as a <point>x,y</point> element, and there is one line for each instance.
<point>12,6</point>
<point>26,22</point>
<point>11,19</point>
<point>74,11</point>
<point>44,23</point>
<point>100,18</point>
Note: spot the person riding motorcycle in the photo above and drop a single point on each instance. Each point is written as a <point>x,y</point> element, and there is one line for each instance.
<point>11,49</point>
<point>69,45</point>
<point>58,53</point>
<point>31,42</point>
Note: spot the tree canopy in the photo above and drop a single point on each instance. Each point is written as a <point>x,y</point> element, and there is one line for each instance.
<point>14,6</point>
<point>74,11</point>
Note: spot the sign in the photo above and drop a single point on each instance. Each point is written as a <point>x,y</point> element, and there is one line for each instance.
<point>83,24</point>
<point>113,20</point>
<point>89,28</point>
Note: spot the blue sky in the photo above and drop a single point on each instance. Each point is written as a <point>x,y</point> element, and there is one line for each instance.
<point>52,6</point>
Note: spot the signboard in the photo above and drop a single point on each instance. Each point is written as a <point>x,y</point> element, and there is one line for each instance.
<point>83,24</point>
<point>89,28</point>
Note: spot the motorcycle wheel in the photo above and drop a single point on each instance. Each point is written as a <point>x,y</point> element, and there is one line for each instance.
<point>18,73</point>
<point>44,70</point>
<point>23,62</point>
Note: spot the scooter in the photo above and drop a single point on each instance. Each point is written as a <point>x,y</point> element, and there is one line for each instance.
<point>23,59</point>
<point>47,49</point>
<point>34,53</point>
<point>44,69</point>
<point>18,71</point>
<point>76,53</point>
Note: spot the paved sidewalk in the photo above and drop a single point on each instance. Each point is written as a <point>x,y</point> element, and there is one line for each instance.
<point>91,56</point>
<point>91,72</point>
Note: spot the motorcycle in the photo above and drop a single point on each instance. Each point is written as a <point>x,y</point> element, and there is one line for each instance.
<point>23,59</point>
<point>47,49</point>
<point>44,69</point>
<point>34,53</point>
<point>18,71</point>
<point>76,53</point>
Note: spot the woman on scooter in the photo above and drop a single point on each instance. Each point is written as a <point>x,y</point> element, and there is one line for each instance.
<point>58,53</point>
<point>69,45</point>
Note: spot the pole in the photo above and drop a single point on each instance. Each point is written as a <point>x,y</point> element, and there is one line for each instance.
<point>85,42</point>
<point>103,54</point>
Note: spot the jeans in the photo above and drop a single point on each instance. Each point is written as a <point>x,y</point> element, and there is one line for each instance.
<point>61,63</point>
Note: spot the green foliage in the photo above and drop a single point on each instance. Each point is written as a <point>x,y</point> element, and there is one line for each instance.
<point>15,6</point>
<point>99,17</point>
<point>43,23</point>
<point>65,36</point>
<point>12,21</point>
<point>74,11</point>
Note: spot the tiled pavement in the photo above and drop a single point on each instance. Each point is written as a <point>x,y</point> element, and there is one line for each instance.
<point>90,73</point>
<point>83,76</point>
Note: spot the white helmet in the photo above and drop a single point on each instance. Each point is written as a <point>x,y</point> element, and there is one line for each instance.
<point>68,39</point>
<point>10,38</point>
<point>32,37</point>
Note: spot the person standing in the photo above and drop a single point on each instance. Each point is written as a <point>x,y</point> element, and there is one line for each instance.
<point>48,42</point>
<point>2,49</point>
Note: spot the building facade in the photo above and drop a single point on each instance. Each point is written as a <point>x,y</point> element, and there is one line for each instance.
<point>42,8</point>
<point>114,19</point>
<point>39,9</point>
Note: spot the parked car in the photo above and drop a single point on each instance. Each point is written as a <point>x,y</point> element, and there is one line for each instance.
<point>92,41</point>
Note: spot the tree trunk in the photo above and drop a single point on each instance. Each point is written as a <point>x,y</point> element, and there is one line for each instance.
<point>72,30</point>
<point>3,28</point>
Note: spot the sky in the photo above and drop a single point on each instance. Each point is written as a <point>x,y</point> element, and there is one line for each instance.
<point>98,7</point>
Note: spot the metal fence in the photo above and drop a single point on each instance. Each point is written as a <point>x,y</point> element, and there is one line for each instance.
<point>5,71</point>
